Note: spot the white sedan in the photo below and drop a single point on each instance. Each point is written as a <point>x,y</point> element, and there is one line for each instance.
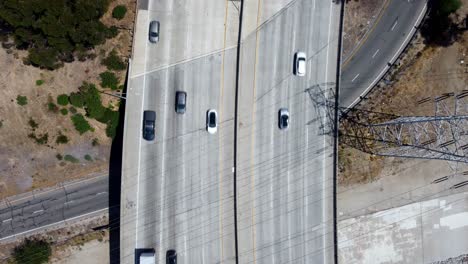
<point>211,121</point>
<point>300,62</point>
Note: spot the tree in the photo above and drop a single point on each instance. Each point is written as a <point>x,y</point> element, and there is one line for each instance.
<point>32,252</point>
<point>53,31</point>
<point>21,100</point>
<point>62,99</point>
<point>80,123</point>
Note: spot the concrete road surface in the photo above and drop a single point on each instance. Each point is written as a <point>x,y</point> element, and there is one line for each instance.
<point>177,191</point>
<point>22,215</point>
<point>380,48</point>
<point>284,177</point>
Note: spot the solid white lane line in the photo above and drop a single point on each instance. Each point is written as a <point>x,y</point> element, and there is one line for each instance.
<point>355,77</point>
<point>394,25</point>
<point>377,51</point>
<point>49,225</point>
<point>38,211</point>
<point>394,56</point>
<point>6,220</point>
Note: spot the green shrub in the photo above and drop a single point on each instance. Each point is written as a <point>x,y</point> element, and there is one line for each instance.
<point>76,100</point>
<point>88,157</point>
<point>58,156</point>
<point>111,119</point>
<point>64,111</point>
<point>121,87</point>
<point>61,139</point>
<point>1,123</point>
<point>52,107</point>
<point>80,123</point>
<point>41,140</point>
<point>109,80</point>
<point>113,62</point>
<point>119,12</point>
<point>39,82</point>
<point>72,110</point>
<point>21,100</point>
<point>32,252</point>
<point>92,101</point>
<point>95,142</point>
<point>71,159</point>
<point>62,99</point>
<point>32,124</point>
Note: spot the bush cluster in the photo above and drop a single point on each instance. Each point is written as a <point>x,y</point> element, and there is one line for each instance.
<point>21,100</point>
<point>62,99</point>
<point>71,158</point>
<point>33,252</point>
<point>113,62</point>
<point>80,123</point>
<point>53,31</point>
<point>109,80</point>
<point>119,12</point>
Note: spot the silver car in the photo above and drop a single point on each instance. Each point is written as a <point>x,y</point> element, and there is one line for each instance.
<point>154,32</point>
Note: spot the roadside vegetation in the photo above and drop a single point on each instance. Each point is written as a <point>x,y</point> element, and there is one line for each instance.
<point>440,29</point>
<point>32,252</point>
<point>55,32</point>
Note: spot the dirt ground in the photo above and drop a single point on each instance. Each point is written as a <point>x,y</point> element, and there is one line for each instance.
<point>426,72</point>
<point>27,165</point>
<point>359,16</point>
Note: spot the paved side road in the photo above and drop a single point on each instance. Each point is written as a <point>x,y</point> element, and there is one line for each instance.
<point>380,48</point>
<point>25,214</point>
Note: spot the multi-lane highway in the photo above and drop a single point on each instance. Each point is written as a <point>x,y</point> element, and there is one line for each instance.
<point>284,177</point>
<point>24,214</point>
<point>177,191</point>
<point>380,48</point>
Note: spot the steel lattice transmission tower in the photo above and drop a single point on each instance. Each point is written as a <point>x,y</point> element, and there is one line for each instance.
<point>443,135</point>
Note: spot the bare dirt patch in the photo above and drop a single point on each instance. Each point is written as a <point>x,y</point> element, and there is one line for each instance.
<point>26,164</point>
<point>359,17</point>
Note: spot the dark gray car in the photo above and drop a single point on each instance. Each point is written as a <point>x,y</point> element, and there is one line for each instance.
<point>149,120</point>
<point>181,102</point>
<point>283,118</point>
<point>171,256</point>
<point>154,32</point>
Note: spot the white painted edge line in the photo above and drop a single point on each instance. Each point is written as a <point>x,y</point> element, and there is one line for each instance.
<point>56,223</point>
<point>385,69</point>
<point>57,188</point>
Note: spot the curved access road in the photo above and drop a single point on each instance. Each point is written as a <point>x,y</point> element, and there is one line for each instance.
<point>380,48</point>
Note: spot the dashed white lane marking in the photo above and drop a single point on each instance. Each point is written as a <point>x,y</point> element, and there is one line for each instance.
<point>377,51</point>
<point>355,77</point>
<point>69,202</point>
<point>38,211</point>
<point>100,193</point>
<point>6,220</point>
<point>394,25</point>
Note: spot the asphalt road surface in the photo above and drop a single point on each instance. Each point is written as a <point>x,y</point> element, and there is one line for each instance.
<point>284,177</point>
<point>380,48</point>
<point>177,191</point>
<point>24,214</point>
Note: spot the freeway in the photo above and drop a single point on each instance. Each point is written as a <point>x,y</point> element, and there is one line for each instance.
<point>380,48</point>
<point>284,177</point>
<point>177,191</point>
<point>22,215</point>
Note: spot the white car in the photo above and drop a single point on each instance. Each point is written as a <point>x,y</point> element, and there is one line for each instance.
<point>211,121</point>
<point>300,62</point>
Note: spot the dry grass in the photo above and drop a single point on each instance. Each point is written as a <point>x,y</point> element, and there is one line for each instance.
<point>26,165</point>
<point>358,18</point>
<point>426,72</point>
